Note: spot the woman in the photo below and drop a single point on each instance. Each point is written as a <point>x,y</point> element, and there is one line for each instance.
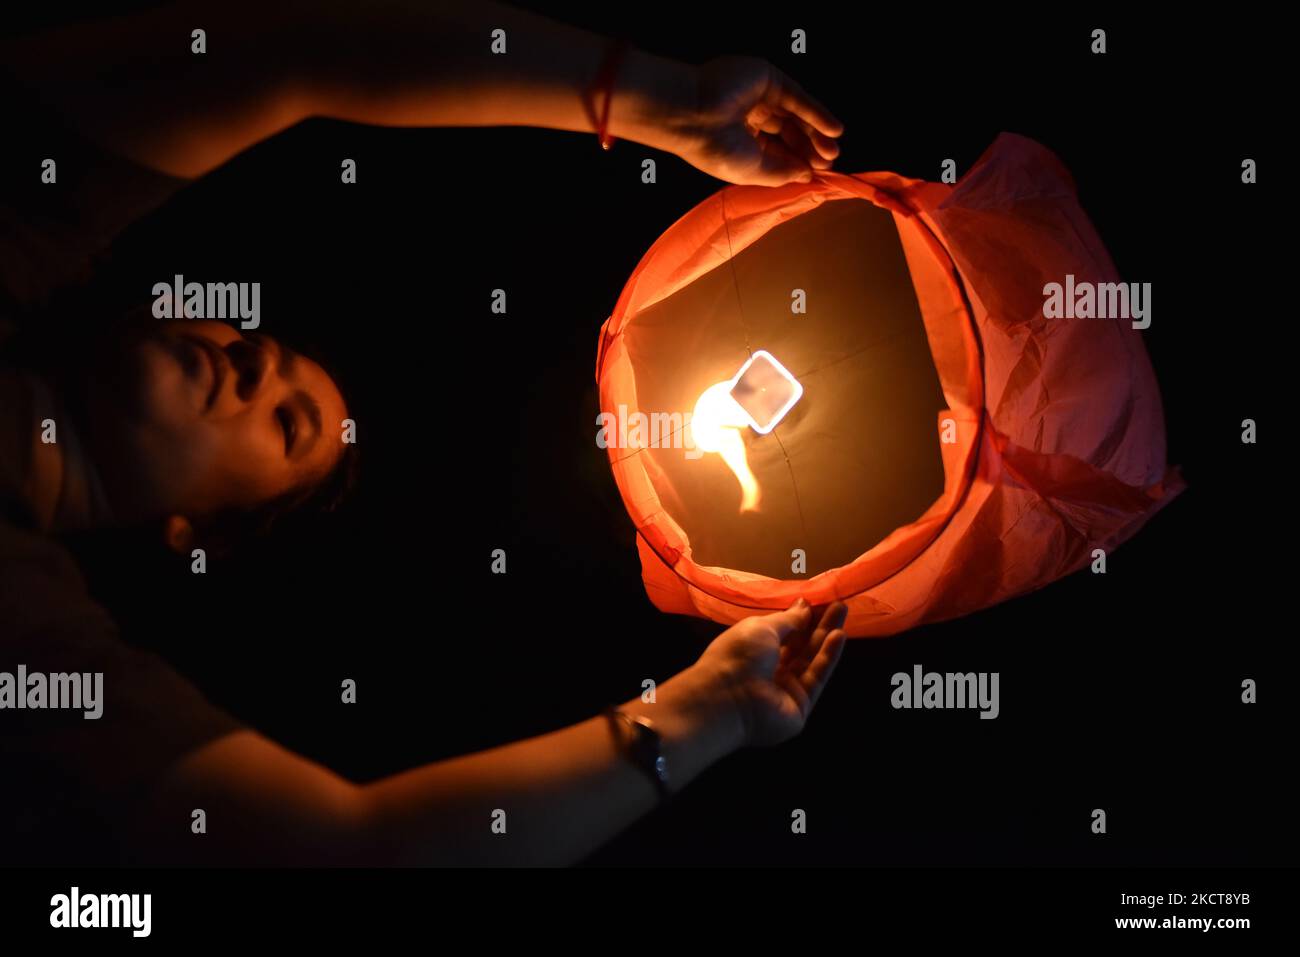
<point>191,427</point>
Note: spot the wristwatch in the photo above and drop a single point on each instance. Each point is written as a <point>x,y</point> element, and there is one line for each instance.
<point>639,740</point>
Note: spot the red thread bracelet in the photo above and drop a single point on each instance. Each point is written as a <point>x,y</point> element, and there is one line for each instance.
<point>604,85</point>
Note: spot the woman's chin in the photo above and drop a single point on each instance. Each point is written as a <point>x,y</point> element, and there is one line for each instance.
<point>151,380</point>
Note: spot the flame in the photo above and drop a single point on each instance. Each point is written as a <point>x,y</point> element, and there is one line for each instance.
<point>716,425</point>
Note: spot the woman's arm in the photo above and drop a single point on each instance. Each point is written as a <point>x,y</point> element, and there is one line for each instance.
<point>133,84</point>
<point>563,793</point>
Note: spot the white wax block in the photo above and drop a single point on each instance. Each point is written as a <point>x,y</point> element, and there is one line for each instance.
<point>766,390</point>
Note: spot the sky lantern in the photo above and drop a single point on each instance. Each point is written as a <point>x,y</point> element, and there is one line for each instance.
<point>865,399</point>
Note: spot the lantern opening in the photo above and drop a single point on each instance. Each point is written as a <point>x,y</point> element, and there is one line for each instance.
<point>830,472</point>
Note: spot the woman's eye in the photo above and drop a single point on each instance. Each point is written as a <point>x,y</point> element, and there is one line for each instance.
<point>288,427</point>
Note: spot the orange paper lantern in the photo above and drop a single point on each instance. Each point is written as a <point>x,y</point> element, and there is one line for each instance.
<point>950,446</point>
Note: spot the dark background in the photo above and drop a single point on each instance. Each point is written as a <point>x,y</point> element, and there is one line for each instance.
<point>1119,691</point>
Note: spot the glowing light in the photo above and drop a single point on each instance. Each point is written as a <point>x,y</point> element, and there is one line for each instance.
<point>716,425</point>
<point>758,397</point>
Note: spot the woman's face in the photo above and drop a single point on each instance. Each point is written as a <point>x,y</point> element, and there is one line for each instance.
<point>195,417</point>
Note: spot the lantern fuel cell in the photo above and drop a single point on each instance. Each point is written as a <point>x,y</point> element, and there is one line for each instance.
<point>765,390</point>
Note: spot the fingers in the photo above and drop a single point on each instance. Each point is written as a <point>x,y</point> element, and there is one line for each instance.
<point>763,119</point>
<point>779,164</point>
<point>825,146</point>
<point>810,657</point>
<point>814,679</point>
<point>812,668</point>
<point>815,147</point>
<point>792,148</point>
<point>832,618</point>
<point>796,136</point>
<point>789,96</point>
<point>791,621</point>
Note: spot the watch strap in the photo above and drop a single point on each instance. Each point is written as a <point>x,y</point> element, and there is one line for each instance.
<point>640,742</point>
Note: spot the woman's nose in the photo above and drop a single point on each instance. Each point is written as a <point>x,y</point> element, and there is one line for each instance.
<point>251,364</point>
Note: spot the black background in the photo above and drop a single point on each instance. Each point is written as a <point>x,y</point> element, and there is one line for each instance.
<point>1119,691</point>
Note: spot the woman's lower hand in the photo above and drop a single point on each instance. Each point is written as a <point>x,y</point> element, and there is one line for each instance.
<point>773,668</point>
